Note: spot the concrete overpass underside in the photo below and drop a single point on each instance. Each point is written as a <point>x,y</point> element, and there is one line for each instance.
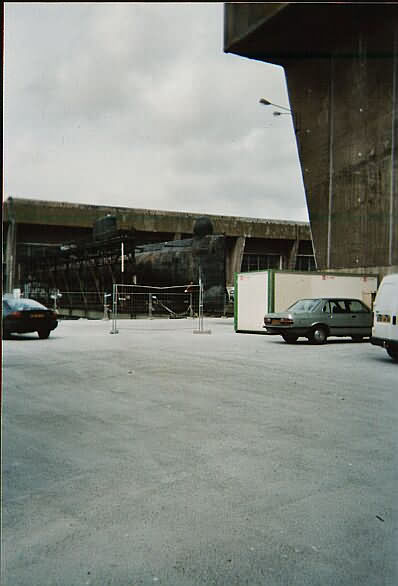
<point>341,66</point>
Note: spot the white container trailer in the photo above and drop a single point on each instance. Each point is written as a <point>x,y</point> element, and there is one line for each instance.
<point>251,300</point>
<point>257,293</point>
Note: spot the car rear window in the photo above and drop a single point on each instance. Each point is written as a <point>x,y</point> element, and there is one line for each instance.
<point>23,304</point>
<point>348,306</point>
<point>355,306</point>
<point>304,305</point>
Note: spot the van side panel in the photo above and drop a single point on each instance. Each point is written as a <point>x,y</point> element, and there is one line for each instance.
<point>385,324</point>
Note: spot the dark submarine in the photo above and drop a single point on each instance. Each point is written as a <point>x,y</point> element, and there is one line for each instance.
<point>179,262</point>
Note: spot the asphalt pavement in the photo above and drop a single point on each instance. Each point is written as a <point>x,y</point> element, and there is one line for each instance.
<point>157,456</point>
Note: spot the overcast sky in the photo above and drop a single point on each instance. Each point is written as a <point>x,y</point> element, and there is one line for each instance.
<point>137,105</point>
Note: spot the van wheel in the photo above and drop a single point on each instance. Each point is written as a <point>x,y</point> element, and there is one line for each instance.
<point>318,335</point>
<point>289,338</point>
<point>392,353</point>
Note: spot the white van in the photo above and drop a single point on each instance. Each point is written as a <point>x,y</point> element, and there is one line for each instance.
<point>385,326</point>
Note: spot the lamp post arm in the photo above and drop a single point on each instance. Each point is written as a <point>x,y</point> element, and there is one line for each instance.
<point>267,103</point>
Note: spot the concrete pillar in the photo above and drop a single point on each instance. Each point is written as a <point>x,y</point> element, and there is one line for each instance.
<point>293,254</point>
<point>234,260</point>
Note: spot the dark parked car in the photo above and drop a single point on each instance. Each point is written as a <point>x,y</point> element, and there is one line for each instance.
<point>316,319</point>
<point>21,316</point>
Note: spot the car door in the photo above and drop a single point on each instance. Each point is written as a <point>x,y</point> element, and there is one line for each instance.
<point>339,319</point>
<point>360,317</point>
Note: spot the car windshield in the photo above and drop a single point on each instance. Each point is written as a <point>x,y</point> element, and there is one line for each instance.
<point>304,305</point>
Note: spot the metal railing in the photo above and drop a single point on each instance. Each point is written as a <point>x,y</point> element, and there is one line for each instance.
<point>176,302</point>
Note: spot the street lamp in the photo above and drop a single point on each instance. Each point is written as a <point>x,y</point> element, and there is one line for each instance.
<point>268,103</point>
<point>288,112</point>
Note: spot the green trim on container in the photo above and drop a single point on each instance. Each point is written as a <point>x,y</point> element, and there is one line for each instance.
<point>271,290</point>
<point>326,273</point>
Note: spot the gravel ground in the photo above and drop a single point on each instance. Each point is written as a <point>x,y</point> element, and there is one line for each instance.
<point>155,456</point>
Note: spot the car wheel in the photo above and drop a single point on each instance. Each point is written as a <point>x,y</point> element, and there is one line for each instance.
<point>357,338</point>
<point>392,354</point>
<point>43,334</point>
<point>289,338</point>
<point>318,335</point>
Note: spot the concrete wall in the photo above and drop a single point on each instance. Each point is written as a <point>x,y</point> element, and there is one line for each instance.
<point>341,65</point>
<point>345,141</point>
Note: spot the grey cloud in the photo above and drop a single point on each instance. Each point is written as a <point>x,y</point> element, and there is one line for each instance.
<point>136,104</point>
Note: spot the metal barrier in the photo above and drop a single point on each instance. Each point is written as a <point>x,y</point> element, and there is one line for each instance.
<point>85,303</point>
<point>176,302</point>
<point>128,301</point>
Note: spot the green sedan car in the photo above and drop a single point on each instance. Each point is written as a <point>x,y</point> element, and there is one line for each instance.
<point>316,319</point>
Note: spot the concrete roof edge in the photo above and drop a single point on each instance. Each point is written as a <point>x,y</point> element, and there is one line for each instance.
<point>153,212</point>
<point>229,49</point>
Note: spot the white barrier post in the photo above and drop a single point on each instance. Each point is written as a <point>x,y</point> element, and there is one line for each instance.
<point>201,329</point>
<point>114,310</point>
<point>106,306</point>
<point>150,305</point>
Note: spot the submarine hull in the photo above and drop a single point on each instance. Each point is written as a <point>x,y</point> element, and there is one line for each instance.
<point>181,262</point>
